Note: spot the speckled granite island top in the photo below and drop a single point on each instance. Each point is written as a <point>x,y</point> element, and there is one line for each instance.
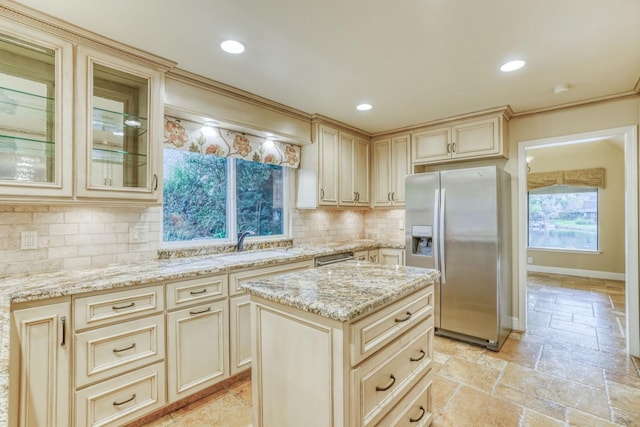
<point>342,291</point>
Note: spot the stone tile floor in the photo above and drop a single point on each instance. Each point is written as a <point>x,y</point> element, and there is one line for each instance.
<point>568,369</point>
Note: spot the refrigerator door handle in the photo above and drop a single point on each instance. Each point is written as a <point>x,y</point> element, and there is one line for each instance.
<point>441,225</point>
<point>436,242</point>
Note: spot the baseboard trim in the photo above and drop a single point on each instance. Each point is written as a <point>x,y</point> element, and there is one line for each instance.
<point>607,275</point>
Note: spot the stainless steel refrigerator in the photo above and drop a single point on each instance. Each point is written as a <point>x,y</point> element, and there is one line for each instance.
<point>459,222</point>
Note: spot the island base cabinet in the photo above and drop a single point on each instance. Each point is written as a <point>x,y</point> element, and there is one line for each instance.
<point>40,365</point>
<point>292,375</point>
<point>303,373</point>
<point>415,409</point>
<point>121,399</point>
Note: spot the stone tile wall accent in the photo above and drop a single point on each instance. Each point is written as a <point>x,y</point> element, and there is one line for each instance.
<point>325,226</point>
<point>384,225</point>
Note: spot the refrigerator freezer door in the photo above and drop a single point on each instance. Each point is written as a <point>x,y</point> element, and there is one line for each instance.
<point>421,214</point>
<point>469,298</point>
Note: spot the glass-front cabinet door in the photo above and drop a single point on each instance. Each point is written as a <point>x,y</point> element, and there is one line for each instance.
<point>36,111</point>
<point>118,123</point>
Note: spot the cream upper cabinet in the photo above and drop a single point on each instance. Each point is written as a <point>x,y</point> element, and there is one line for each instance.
<point>328,147</point>
<point>36,114</point>
<point>478,138</point>
<point>119,127</point>
<point>391,165</point>
<point>334,170</point>
<point>354,170</point>
<point>39,370</point>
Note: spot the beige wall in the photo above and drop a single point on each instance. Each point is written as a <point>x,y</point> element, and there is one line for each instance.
<point>606,154</point>
<point>568,121</point>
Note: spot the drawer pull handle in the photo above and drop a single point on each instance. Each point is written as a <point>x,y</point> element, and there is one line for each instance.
<point>204,291</point>
<point>405,319</point>
<point>63,319</point>
<point>206,310</point>
<point>422,354</point>
<point>126,401</point>
<point>120,350</point>
<point>122,307</point>
<point>415,420</point>
<point>393,381</point>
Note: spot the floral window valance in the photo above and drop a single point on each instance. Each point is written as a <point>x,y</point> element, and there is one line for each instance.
<point>181,134</point>
<point>593,177</point>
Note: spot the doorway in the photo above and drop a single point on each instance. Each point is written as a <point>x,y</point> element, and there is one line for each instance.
<point>628,137</point>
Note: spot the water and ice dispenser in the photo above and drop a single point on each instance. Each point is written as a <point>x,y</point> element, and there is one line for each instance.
<point>422,240</point>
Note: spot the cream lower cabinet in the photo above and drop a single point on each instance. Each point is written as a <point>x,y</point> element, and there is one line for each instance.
<point>119,356</point>
<point>39,368</point>
<point>375,370</point>
<point>390,256</point>
<point>240,325</point>
<point>197,335</point>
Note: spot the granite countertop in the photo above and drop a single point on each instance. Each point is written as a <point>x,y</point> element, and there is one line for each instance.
<point>22,288</point>
<point>342,291</point>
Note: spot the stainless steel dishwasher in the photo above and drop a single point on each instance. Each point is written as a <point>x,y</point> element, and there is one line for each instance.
<point>333,258</point>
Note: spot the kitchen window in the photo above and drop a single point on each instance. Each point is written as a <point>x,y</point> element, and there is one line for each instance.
<point>218,183</point>
<point>200,192</point>
<point>563,218</point>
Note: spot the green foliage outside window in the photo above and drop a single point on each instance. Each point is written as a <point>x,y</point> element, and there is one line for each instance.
<point>195,196</point>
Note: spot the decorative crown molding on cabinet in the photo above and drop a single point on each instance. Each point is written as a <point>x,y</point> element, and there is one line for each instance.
<point>235,93</point>
<point>72,33</point>
<point>505,110</point>
<point>319,118</point>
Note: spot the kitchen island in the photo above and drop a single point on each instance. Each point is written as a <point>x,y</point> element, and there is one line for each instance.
<point>349,344</point>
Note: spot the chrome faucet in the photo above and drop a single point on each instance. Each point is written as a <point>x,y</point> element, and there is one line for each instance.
<point>241,236</point>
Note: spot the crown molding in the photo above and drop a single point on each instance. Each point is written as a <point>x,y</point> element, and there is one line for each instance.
<point>69,32</point>
<point>505,110</point>
<point>603,99</point>
<point>319,118</point>
<point>235,93</point>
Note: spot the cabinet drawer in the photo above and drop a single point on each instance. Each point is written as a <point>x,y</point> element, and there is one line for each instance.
<point>112,350</point>
<point>237,278</point>
<point>121,399</point>
<point>414,410</point>
<point>196,291</point>
<point>117,306</point>
<point>370,334</point>
<point>383,379</point>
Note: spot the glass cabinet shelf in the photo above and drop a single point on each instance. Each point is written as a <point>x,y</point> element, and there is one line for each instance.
<point>11,100</point>
<point>118,156</point>
<point>120,124</point>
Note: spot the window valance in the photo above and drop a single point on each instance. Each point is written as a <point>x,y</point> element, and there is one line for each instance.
<point>593,177</point>
<point>182,134</point>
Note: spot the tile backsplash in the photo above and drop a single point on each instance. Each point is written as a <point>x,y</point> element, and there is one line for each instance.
<point>76,237</point>
<point>72,237</point>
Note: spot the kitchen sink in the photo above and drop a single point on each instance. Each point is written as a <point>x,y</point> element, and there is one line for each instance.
<point>256,256</point>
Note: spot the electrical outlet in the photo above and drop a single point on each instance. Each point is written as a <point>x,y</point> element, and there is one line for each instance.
<point>28,240</point>
<point>138,234</point>
<point>530,260</point>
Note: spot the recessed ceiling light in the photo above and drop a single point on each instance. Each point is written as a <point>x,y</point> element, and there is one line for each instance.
<point>561,88</point>
<point>364,107</point>
<point>512,65</point>
<point>232,46</point>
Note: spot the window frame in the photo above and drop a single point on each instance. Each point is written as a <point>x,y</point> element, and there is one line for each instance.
<point>566,250</point>
<point>232,232</point>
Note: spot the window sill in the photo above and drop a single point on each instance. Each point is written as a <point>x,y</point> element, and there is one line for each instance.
<point>565,251</point>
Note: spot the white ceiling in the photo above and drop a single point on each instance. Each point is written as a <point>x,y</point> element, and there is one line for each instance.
<point>415,60</point>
